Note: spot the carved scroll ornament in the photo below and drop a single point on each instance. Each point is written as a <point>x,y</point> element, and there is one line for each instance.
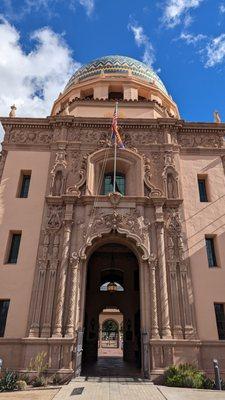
<point>131,224</point>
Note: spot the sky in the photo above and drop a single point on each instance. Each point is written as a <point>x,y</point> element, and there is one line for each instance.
<point>43,42</point>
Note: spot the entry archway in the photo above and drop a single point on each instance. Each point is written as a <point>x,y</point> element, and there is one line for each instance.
<point>117,265</point>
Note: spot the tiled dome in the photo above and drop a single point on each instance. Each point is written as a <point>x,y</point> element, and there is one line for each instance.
<point>116,65</point>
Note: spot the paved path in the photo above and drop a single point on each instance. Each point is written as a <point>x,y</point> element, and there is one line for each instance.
<point>42,394</point>
<point>129,389</point>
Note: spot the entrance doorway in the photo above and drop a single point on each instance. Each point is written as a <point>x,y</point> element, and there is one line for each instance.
<point>112,338</point>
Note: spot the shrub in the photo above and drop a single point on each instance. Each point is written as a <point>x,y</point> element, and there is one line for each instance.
<point>184,375</point>
<point>38,364</point>
<point>208,383</point>
<point>39,381</point>
<point>8,381</point>
<point>21,385</point>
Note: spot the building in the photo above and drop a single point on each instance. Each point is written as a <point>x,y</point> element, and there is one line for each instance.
<point>65,235</point>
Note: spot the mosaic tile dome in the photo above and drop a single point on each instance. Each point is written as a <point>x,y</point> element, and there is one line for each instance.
<point>116,65</point>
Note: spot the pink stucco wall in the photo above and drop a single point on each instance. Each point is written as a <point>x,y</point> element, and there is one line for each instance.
<point>25,215</point>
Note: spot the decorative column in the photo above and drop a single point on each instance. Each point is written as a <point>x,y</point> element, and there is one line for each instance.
<point>74,265</point>
<point>57,331</point>
<point>166,330</point>
<point>154,312</point>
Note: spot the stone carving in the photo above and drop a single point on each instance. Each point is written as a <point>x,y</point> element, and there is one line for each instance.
<point>54,219</point>
<point>58,173</point>
<point>217,118</point>
<point>12,113</point>
<point>131,224</point>
<point>170,176</point>
<point>3,155</point>
<point>78,172</point>
<point>175,245</point>
<point>152,190</point>
<point>24,136</point>
<point>208,140</point>
<point>115,198</point>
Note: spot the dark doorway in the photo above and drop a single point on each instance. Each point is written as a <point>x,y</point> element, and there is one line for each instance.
<point>112,286</point>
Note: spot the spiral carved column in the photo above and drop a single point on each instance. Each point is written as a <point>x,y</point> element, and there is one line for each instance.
<point>74,265</point>
<point>154,311</point>
<point>166,329</point>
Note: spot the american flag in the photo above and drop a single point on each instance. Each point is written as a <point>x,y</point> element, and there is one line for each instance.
<point>115,132</point>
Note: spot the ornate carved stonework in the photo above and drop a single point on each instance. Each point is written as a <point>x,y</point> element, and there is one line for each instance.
<point>175,247</point>
<point>54,218</point>
<point>131,224</point>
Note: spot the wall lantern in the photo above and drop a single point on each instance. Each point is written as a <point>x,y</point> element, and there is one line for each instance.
<point>112,287</point>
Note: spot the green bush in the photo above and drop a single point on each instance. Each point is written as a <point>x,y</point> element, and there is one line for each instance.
<point>8,381</point>
<point>184,375</point>
<point>39,381</point>
<point>21,385</point>
<point>208,383</point>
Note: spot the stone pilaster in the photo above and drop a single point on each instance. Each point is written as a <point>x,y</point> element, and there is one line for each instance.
<point>37,300</point>
<point>189,331</point>
<point>153,293</point>
<point>74,265</point>
<point>47,314</point>
<point>60,297</point>
<point>175,300</point>
<point>166,329</point>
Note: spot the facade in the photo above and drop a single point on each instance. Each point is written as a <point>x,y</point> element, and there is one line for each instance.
<point>64,233</point>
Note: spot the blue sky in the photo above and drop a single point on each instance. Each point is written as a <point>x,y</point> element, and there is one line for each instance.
<point>43,41</point>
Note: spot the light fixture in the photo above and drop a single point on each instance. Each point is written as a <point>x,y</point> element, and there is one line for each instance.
<point>112,287</point>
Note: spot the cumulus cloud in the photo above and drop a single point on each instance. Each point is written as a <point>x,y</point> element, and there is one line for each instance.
<point>32,80</point>
<point>215,51</point>
<point>142,40</point>
<point>175,9</point>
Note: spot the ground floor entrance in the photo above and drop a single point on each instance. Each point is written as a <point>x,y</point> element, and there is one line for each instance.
<point>112,328</point>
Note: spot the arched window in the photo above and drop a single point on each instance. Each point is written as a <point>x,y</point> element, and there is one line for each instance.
<point>108,183</point>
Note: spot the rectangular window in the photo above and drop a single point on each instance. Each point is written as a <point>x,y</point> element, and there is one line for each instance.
<point>210,248</point>
<point>4,306</point>
<point>14,248</point>
<point>202,190</point>
<point>24,184</point>
<point>220,320</point>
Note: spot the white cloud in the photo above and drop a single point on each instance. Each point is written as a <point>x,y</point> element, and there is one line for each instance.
<point>175,9</point>
<point>142,39</point>
<point>222,8</point>
<point>32,80</point>
<point>215,51</point>
<point>48,6</point>
<point>192,39</point>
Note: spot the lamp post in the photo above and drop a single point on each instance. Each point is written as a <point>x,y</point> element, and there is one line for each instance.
<point>217,375</point>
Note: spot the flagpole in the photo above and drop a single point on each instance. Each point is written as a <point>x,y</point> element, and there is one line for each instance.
<point>114,171</point>
<point>115,147</point>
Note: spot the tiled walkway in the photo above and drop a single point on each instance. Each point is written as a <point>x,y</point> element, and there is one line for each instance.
<point>109,389</point>
<point>111,366</point>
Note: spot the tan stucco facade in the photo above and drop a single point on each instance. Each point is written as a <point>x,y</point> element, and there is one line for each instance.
<point>66,222</point>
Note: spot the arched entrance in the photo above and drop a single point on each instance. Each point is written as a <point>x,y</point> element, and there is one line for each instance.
<point>112,284</point>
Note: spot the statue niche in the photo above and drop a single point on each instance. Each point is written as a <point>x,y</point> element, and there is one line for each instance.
<point>57,187</point>
<point>172,192</point>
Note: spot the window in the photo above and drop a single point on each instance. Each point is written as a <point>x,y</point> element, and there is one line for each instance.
<point>14,248</point>
<point>24,184</point>
<point>4,306</point>
<point>210,248</point>
<point>202,190</point>
<point>220,320</point>
<point>108,183</point>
